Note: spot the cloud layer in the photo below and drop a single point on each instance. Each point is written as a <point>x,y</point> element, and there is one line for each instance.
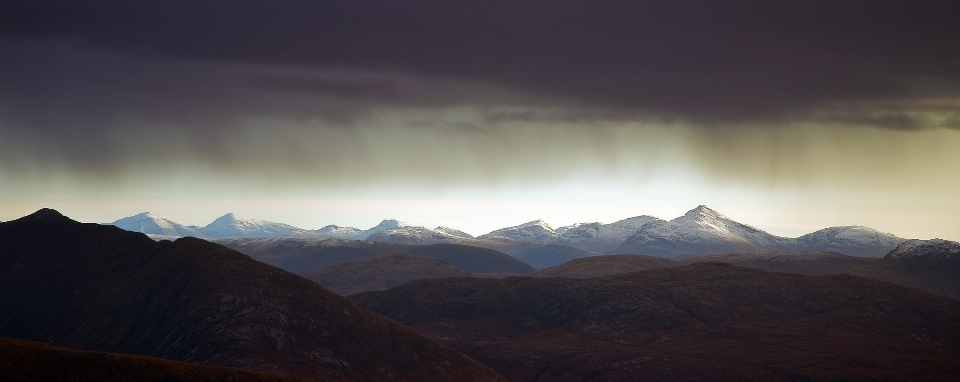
<point>451,92</point>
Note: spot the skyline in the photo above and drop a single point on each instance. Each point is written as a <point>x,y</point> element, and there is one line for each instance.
<point>787,116</point>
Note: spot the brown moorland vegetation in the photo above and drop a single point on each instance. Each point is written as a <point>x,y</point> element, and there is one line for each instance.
<point>704,321</point>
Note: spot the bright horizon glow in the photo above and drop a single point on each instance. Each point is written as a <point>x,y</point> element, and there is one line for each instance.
<point>564,204</point>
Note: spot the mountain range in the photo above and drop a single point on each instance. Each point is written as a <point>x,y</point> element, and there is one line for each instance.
<point>104,297</point>
<point>701,231</point>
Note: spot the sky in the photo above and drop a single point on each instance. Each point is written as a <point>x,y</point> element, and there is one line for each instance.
<point>790,116</point>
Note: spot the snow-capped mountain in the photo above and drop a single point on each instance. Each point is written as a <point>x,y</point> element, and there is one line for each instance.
<point>701,231</point>
<point>537,231</point>
<point>410,234</point>
<point>230,225</point>
<point>395,231</point>
<point>849,240</point>
<point>599,237</point>
<point>453,232</point>
<point>339,232</point>
<point>935,248</point>
<point>152,224</point>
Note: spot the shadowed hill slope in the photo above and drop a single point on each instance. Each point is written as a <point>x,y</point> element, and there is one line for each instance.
<point>28,361</point>
<point>599,266</point>
<point>381,273</point>
<point>100,288</point>
<point>932,266</point>
<point>703,321</point>
<point>302,254</point>
<point>549,255</point>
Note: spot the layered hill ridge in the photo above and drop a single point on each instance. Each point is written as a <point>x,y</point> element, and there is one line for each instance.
<point>932,266</point>
<point>549,255</point>
<point>302,254</point>
<point>100,288</point>
<point>381,273</point>
<point>704,321</point>
<point>600,266</point>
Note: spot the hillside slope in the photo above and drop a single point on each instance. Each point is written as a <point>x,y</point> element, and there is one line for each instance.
<point>381,273</point>
<point>704,321</point>
<point>95,287</point>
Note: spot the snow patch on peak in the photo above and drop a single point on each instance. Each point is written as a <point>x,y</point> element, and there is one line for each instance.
<point>453,232</point>
<point>390,224</point>
<point>335,231</point>
<point>926,248</point>
<point>230,225</point>
<point>150,223</point>
<point>702,215</point>
<point>536,231</point>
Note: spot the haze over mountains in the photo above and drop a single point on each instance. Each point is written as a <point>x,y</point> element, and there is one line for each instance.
<point>699,231</point>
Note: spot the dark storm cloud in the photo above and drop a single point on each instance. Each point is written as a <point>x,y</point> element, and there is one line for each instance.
<point>701,61</point>
<point>348,92</point>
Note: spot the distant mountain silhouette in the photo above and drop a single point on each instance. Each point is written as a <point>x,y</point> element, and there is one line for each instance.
<point>704,321</point>
<point>96,287</point>
<point>28,361</point>
<point>381,273</point>
<point>302,254</point>
<point>600,266</point>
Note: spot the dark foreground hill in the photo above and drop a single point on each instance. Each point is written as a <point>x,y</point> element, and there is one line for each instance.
<point>703,321</point>
<point>381,273</point>
<point>95,287</point>
<point>302,254</point>
<point>28,361</point>
<point>599,266</point>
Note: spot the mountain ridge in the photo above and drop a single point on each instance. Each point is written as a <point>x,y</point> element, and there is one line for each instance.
<point>700,231</point>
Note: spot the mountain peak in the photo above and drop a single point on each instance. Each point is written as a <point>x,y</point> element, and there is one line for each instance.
<point>391,224</point>
<point>926,248</point>
<point>537,223</point>
<point>702,213</point>
<point>228,219</point>
<point>44,215</point>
